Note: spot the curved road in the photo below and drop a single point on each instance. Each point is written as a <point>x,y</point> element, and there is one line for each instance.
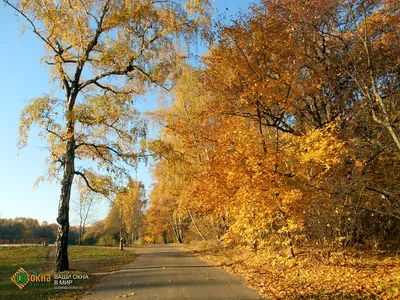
<point>166,272</point>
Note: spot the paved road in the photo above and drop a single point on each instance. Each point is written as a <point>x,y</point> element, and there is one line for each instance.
<point>166,272</point>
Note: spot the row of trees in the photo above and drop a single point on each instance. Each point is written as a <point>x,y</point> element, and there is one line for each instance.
<point>28,231</point>
<point>125,219</point>
<point>289,133</point>
<point>18,229</point>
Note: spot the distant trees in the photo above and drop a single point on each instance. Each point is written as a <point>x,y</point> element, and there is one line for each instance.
<point>105,232</point>
<point>94,233</point>
<point>28,231</point>
<point>125,218</point>
<point>25,230</point>
<point>85,210</point>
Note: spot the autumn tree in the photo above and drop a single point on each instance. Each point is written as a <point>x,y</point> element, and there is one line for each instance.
<point>129,204</point>
<point>113,227</point>
<point>304,74</point>
<point>358,41</point>
<point>84,210</point>
<point>95,233</point>
<point>289,130</point>
<point>101,53</point>
<point>157,217</point>
<point>236,146</point>
<point>274,108</point>
<point>182,151</point>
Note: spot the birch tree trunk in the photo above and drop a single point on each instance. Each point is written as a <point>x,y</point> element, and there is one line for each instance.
<point>62,263</point>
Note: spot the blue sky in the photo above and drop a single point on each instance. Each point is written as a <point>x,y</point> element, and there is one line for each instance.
<point>23,77</point>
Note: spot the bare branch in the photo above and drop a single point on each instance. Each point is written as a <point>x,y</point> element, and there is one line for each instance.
<point>101,76</point>
<point>91,187</point>
<point>110,89</point>
<point>34,28</point>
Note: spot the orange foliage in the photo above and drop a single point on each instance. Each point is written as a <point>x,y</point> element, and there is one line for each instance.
<point>268,142</point>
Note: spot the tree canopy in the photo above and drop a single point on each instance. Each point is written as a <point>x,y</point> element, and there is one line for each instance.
<point>288,133</point>
<point>101,54</point>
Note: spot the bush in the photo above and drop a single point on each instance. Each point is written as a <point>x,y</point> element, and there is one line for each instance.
<point>107,240</point>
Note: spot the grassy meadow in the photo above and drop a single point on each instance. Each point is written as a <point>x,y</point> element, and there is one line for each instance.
<point>83,260</point>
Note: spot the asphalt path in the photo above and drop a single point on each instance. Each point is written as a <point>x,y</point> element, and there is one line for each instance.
<point>167,272</point>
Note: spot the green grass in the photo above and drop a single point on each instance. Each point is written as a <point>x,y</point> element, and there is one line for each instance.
<point>77,253</point>
<point>11,259</point>
<point>33,259</point>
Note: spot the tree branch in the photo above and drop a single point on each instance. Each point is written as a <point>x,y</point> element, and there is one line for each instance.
<point>45,40</point>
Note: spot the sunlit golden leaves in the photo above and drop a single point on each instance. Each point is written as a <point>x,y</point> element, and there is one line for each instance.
<point>103,53</point>
<point>42,112</point>
<point>247,148</point>
<point>129,204</point>
<point>88,43</point>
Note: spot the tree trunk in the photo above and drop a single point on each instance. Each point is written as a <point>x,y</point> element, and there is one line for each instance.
<point>197,229</point>
<point>81,232</point>
<point>179,236</point>
<point>176,232</point>
<point>178,229</point>
<point>386,122</point>
<point>62,263</point>
<point>215,230</point>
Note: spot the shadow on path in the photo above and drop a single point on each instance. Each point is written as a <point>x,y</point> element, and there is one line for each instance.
<point>166,272</point>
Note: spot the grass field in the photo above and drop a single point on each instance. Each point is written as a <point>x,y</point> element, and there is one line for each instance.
<point>83,260</point>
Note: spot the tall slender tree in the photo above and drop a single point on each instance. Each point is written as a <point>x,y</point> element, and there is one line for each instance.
<point>102,52</point>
